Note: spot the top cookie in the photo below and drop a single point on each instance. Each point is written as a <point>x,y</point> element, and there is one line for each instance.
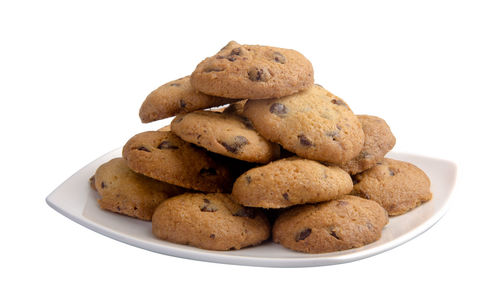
<point>176,97</point>
<point>253,72</point>
<point>314,124</point>
<point>378,141</point>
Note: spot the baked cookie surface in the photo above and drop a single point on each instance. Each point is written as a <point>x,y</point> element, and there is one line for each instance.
<point>288,182</point>
<point>314,124</point>
<point>226,134</point>
<point>164,156</point>
<point>254,72</point>
<point>176,97</point>
<point>397,185</point>
<point>379,140</point>
<point>209,221</point>
<point>341,224</point>
<point>125,192</point>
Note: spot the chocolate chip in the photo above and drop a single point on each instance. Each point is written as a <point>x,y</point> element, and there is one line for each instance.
<point>303,234</point>
<point>247,122</point>
<point>279,57</point>
<point>182,103</point>
<point>143,149</point>
<point>118,208</point>
<point>245,212</point>
<point>235,146</point>
<point>167,145</point>
<point>236,51</point>
<point>208,172</point>
<point>332,134</point>
<point>304,140</point>
<point>391,172</point>
<point>103,185</point>
<point>364,195</point>
<point>213,69</point>
<point>175,84</point>
<point>339,102</point>
<point>249,179</point>
<point>285,196</point>
<point>208,207</point>
<point>259,74</point>
<point>212,236</point>
<point>334,234</point>
<point>278,109</point>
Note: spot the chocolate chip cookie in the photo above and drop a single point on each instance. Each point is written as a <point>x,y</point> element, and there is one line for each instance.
<point>209,221</point>
<point>253,72</point>
<point>176,97</point>
<point>126,192</point>
<point>397,185</point>
<point>164,156</point>
<point>340,224</point>
<point>288,182</point>
<point>229,135</point>
<point>314,124</point>
<point>379,140</point>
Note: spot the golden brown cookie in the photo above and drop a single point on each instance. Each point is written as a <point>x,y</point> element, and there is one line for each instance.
<point>290,181</point>
<point>379,140</point>
<point>126,192</point>
<point>176,97</point>
<point>165,157</point>
<point>341,224</point>
<point>253,72</point>
<point>226,134</point>
<point>397,185</point>
<point>314,124</point>
<point>209,221</point>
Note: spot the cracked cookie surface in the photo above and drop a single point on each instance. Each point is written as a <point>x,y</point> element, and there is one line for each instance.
<point>397,185</point>
<point>209,221</point>
<point>226,134</point>
<point>314,124</point>
<point>253,71</point>
<point>340,224</point>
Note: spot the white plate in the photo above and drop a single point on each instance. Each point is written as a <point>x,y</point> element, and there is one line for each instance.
<point>77,201</point>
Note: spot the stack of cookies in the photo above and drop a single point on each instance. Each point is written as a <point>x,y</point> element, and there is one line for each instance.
<point>284,158</point>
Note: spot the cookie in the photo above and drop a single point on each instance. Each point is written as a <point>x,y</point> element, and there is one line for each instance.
<point>165,157</point>
<point>253,72</point>
<point>226,134</point>
<point>379,140</point>
<point>125,192</point>
<point>209,221</point>
<point>397,185</point>
<point>335,225</point>
<point>314,124</point>
<point>288,182</point>
<point>176,97</point>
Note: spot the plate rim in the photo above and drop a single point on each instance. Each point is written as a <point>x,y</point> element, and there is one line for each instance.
<point>217,257</point>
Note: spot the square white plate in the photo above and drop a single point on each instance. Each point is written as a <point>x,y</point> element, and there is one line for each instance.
<point>76,200</point>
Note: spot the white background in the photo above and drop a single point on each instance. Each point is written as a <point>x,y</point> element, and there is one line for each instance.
<point>72,79</point>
